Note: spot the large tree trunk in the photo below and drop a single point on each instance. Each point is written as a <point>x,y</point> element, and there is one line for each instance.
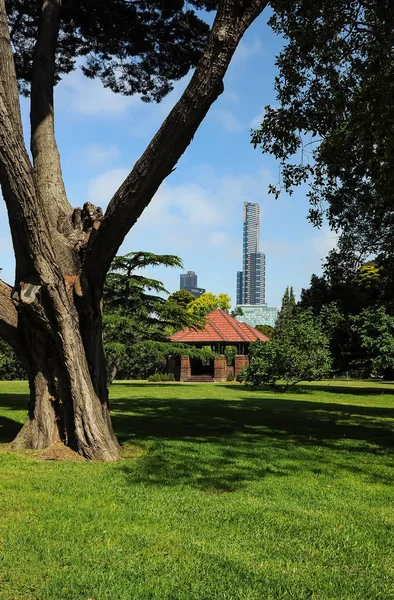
<point>66,370</point>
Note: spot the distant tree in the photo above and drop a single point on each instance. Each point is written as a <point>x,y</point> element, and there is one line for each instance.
<point>286,312</point>
<point>230,353</point>
<point>237,312</point>
<point>375,329</point>
<point>182,297</point>
<point>301,353</point>
<point>10,365</point>
<point>208,302</point>
<point>132,313</point>
<point>266,330</point>
<point>342,292</point>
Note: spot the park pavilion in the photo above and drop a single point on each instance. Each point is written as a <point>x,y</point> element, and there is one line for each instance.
<point>220,330</point>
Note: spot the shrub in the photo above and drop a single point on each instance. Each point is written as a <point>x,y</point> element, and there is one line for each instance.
<point>230,377</point>
<point>161,377</point>
<point>299,354</point>
<point>242,375</point>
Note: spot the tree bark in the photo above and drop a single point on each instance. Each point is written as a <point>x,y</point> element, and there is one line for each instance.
<point>52,316</point>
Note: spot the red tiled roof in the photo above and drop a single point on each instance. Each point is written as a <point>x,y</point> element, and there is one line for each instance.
<point>220,327</point>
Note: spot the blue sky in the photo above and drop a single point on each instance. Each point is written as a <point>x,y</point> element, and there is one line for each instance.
<point>197,212</point>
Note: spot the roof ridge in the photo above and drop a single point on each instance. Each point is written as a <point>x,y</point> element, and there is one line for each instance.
<point>216,329</point>
<point>235,325</point>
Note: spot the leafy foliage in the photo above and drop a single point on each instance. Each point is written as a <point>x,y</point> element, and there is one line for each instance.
<point>339,297</point>
<point>208,302</point>
<point>230,352</point>
<point>138,323</point>
<point>334,117</point>
<point>133,47</point>
<point>266,330</point>
<point>286,312</point>
<point>376,331</point>
<point>10,366</point>
<point>132,313</point>
<point>182,297</point>
<point>300,354</point>
<point>148,357</point>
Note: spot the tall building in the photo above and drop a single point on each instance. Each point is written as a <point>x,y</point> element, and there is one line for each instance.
<point>188,282</point>
<point>251,280</point>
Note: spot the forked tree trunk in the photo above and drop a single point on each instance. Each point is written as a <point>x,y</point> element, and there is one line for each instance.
<point>66,370</point>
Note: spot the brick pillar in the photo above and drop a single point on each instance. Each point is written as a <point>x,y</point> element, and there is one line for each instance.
<point>220,368</point>
<point>172,365</point>
<point>240,361</point>
<point>185,368</point>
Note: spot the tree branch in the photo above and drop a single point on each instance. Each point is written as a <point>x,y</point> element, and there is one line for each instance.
<point>7,72</point>
<point>173,137</point>
<point>8,317</point>
<point>15,168</point>
<point>46,158</point>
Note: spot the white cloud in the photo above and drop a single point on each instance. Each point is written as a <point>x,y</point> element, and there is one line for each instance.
<point>102,188</point>
<point>96,155</point>
<point>89,97</point>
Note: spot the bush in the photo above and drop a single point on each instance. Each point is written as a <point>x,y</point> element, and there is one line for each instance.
<point>161,377</point>
<point>230,377</point>
<point>299,354</point>
<point>242,375</point>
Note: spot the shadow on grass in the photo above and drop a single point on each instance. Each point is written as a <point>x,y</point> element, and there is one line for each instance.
<point>219,445</point>
<point>339,389</point>
<point>8,429</point>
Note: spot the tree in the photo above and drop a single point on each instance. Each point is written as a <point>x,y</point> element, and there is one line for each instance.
<point>286,313</point>
<point>341,293</point>
<point>10,366</point>
<point>334,117</point>
<point>52,315</point>
<point>182,297</point>
<point>300,354</point>
<point>207,302</point>
<point>376,331</point>
<point>266,330</point>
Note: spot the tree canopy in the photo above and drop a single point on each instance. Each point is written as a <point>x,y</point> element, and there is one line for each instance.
<point>133,47</point>
<point>333,122</point>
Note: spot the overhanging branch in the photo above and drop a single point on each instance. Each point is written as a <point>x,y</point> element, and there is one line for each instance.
<point>173,137</point>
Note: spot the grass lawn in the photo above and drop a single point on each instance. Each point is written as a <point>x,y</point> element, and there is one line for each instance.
<point>224,494</point>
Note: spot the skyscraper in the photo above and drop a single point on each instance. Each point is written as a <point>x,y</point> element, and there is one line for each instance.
<point>251,280</point>
<point>188,281</point>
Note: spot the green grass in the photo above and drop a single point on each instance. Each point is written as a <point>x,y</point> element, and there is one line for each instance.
<point>233,495</point>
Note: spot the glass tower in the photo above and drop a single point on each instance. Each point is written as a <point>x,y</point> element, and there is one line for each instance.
<point>251,280</point>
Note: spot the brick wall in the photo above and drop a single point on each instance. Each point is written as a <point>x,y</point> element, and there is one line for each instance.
<point>240,361</point>
<point>220,368</point>
<point>185,368</point>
